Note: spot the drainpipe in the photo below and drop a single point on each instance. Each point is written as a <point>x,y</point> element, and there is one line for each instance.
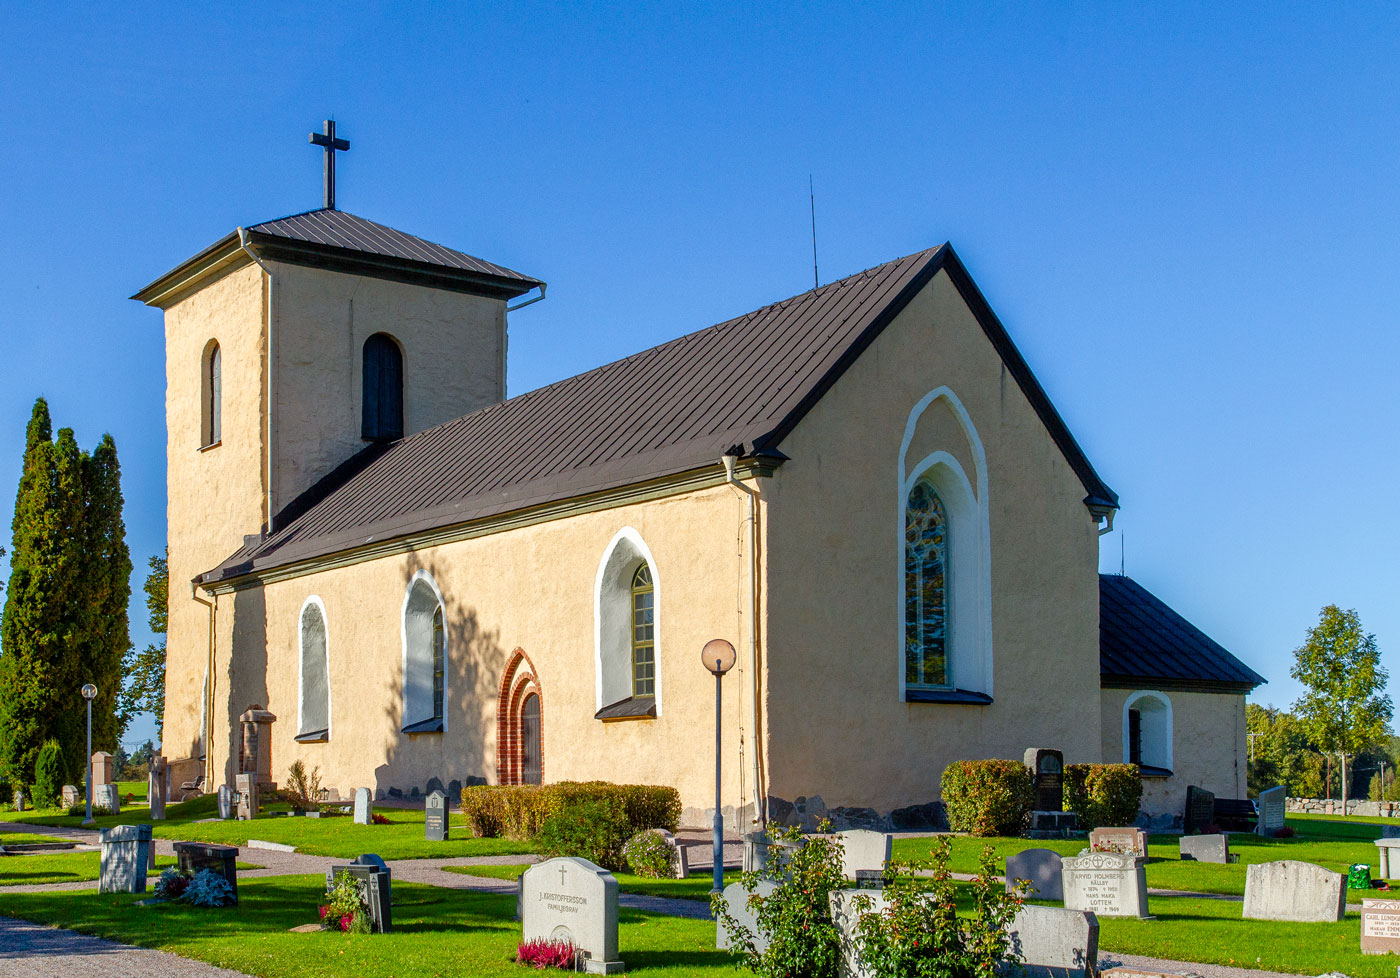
<point>760,802</point>
<point>243,242</point>
<point>213,607</point>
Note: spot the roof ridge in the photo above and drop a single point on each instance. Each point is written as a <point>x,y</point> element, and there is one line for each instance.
<point>288,217</point>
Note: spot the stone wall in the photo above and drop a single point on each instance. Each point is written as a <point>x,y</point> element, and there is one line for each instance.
<point>1333,806</point>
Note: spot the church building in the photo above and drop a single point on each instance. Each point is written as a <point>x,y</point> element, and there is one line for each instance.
<point>405,579</point>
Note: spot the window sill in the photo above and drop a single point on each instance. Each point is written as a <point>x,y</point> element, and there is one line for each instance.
<point>314,737</point>
<point>211,446</point>
<point>1148,771</point>
<point>961,696</point>
<point>632,708</point>
<point>435,725</point>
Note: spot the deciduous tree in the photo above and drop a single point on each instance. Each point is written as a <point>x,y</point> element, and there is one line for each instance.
<point>144,691</point>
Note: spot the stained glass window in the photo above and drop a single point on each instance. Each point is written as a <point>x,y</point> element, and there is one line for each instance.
<point>925,589</point>
<point>643,633</point>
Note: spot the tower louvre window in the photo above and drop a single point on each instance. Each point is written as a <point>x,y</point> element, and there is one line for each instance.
<point>382,401</point>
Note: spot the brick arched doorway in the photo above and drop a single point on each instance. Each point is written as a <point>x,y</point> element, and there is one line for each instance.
<point>519,723</point>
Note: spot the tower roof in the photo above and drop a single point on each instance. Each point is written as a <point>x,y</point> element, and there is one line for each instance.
<point>344,242</point>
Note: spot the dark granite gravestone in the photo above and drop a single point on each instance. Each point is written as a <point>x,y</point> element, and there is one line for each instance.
<point>1200,809</point>
<point>435,817</point>
<point>1048,776</point>
<point>191,857</point>
<point>371,871</point>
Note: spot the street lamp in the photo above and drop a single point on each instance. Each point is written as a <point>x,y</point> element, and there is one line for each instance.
<point>718,657</point>
<point>89,694</point>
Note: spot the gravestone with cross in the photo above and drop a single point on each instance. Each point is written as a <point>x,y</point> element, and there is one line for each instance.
<point>435,817</point>
<point>575,900</point>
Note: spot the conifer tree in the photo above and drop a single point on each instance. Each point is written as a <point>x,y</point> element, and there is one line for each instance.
<point>106,582</point>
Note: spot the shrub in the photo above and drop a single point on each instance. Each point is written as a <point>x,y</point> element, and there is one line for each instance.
<point>796,917</point>
<point>540,954</point>
<point>79,810</point>
<point>208,889</point>
<point>347,905</point>
<point>649,853</point>
<point>920,933</point>
<point>303,789</point>
<point>593,829</point>
<point>988,797</point>
<point>376,819</point>
<point>520,811</point>
<point>172,884</point>
<point>50,772</point>
<point>1103,794</point>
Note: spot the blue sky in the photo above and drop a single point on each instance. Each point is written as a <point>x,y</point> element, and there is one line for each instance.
<point>1188,218</point>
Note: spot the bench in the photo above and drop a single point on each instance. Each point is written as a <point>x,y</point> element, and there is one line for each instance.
<point>1235,814</point>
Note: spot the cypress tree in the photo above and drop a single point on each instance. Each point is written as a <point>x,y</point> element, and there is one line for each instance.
<point>106,581</point>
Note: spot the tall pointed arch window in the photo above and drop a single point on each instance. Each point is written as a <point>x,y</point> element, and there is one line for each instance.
<point>381,414</point>
<point>925,590</point>
<point>314,699</point>
<point>643,633</point>
<point>425,677</point>
<point>211,383</point>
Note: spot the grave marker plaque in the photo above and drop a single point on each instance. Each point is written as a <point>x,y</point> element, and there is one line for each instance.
<point>435,827</point>
<point>103,768</point>
<point>72,796</point>
<point>1108,883</point>
<point>157,785</point>
<point>1048,777</point>
<point>107,796</point>
<point>1380,926</point>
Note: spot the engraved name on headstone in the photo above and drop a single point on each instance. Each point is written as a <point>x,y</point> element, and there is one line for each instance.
<point>572,899</point>
<point>1125,839</point>
<point>1108,883</point>
<point>435,817</point>
<point>1380,926</point>
<point>1273,808</point>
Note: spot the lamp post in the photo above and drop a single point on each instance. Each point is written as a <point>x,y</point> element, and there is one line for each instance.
<point>89,694</point>
<point>718,657</point>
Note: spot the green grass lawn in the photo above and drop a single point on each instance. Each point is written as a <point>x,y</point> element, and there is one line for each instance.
<point>402,838</point>
<point>59,867</point>
<point>436,932</point>
<point>22,838</point>
<point>693,888</point>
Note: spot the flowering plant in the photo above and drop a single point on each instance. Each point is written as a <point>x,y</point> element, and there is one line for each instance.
<point>376,819</point>
<point>540,954</point>
<point>347,905</point>
<point>172,884</point>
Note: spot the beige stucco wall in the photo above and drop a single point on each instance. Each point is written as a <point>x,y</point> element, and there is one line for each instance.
<point>531,588</point>
<point>837,727</point>
<point>1208,747</point>
<point>454,363</point>
<point>215,495</point>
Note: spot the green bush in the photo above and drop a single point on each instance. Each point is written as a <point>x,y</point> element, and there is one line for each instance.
<point>593,828</point>
<point>988,797</point>
<point>651,854</point>
<point>50,772</point>
<point>520,811</point>
<point>1103,794</point>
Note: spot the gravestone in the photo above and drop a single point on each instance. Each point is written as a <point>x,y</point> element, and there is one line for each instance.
<point>19,801</point>
<point>375,862</point>
<point>737,899</point>
<point>1383,847</point>
<point>1200,809</point>
<point>107,796</point>
<point>1042,868</point>
<point>126,856</point>
<point>845,917</point>
<point>863,851</point>
<point>72,796</point>
<point>435,817</point>
<point>760,851</point>
<point>362,806</point>
<point>256,755</point>
<point>1127,840</point>
<point>248,796</point>
<point>572,899</point>
<point>1206,848</point>
<point>191,857</point>
<point>103,768</point>
<point>157,784</point>
<point>1066,941</point>
<point>1380,926</point>
<point>374,876</point>
<point>1110,884</point>
<point>1273,808</point>
<point>226,801</point>
<point>1294,891</point>
<point>1048,777</point>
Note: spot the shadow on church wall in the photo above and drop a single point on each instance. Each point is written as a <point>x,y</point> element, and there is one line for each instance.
<point>465,753</point>
<point>247,678</point>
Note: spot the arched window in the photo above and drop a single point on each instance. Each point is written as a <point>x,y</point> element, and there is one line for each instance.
<point>382,401</point>
<point>211,394</point>
<point>1147,732</point>
<point>626,608</point>
<point>925,590</point>
<point>643,633</point>
<point>314,700</point>
<point>424,658</point>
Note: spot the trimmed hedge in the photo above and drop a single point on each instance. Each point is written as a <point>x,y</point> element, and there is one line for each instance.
<point>1103,794</point>
<point>988,797</point>
<point>519,811</point>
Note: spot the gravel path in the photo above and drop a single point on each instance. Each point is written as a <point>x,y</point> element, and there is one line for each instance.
<point>34,951</point>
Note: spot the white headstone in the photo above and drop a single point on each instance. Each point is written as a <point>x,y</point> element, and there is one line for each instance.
<point>1295,891</point>
<point>362,806</point>
<point>863,849</point>
<point>1041,867</point>
<point>1061,939</point>
<point>736,898</point>
<point>72,796</point>
<point>1206,848</point>
<point>846,916</point>
<point>572,899</point>
<point>1110,884</point>
<point>1273,808</point>
<point>108,796</point>
<point>226,801</point>
<point>1126,839</point>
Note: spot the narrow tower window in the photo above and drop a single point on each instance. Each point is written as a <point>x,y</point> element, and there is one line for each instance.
<point>925,590</point>
<point>213,390</point>
<point>643,634</point>
<point>382,402</point>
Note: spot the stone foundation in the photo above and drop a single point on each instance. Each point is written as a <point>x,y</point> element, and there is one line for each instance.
<point>1333,806</point>
<point>807,813</point>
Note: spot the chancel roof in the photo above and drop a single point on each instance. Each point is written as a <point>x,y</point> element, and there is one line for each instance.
<point>1144,643</point>
<point>736,388</point>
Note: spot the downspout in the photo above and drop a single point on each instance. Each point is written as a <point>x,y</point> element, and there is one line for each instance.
<point>243,242</point>
<point>760,798</point>
<point>213,607</point>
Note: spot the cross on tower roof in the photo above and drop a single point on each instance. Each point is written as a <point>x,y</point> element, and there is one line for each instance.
<point>328,140</point>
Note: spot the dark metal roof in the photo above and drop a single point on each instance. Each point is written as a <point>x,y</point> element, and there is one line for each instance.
<point>735,388</point>
<point>1143,642</point>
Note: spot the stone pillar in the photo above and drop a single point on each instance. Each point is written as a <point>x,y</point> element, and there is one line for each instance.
<point>257,744</point>
<point>104,771</point>
<point>157,786</point>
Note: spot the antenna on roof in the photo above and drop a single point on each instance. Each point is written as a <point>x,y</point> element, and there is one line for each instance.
<point>1122,555</point>
<point>812,199</point>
